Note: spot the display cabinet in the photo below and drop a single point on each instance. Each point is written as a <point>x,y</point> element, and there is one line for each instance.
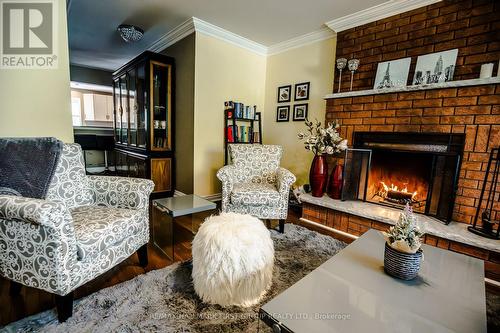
<point>143,97</point>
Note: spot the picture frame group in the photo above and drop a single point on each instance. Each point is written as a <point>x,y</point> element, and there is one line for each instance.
<point>300,93</point>
<point>430,68</point>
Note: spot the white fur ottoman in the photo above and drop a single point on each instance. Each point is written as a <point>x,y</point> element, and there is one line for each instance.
<point>233,258</point>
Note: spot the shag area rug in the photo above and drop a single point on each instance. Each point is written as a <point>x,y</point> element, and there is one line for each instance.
<point>164,300</point>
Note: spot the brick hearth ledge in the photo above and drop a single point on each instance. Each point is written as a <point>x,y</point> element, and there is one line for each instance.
<point>454,231</point>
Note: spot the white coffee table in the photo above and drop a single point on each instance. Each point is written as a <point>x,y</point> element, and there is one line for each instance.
<point>352,293</point>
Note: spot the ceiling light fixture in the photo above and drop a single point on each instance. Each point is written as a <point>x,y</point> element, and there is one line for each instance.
<point>130,33</point>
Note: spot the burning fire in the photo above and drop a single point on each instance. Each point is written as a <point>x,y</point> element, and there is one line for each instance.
<point>393,192</point>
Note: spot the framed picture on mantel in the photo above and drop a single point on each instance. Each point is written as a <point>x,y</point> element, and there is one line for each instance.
<point>435,67</point>
<point>393,73</point>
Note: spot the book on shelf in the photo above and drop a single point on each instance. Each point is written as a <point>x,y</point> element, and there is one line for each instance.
<point>239,110</point>
<point>241,133</point>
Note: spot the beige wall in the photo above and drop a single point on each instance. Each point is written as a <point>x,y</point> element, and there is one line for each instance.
<point>222,72</point>
<point>183,52</point>
<point>37,102</point>
<point>314,63</point>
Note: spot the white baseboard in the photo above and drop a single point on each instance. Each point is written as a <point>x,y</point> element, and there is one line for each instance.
<point>322,226</point>
<point>178,193</point>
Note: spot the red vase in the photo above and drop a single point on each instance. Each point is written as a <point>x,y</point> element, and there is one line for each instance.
<point>318,175</point>
<point>335,184</point>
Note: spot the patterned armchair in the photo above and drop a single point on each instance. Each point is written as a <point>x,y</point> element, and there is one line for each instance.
<point>255,184</point>
<point>84,227</point>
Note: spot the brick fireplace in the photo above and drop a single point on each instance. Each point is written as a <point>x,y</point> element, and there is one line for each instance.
<point>465,108</point>
<point>474,111</point>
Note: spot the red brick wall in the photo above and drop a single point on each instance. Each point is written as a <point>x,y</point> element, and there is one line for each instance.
<point>472,26</point>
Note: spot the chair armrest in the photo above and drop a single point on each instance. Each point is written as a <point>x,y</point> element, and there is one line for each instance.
<point>121,192</point>
<point>227,175</point>
<point>42,212</point>
<point>284,180</point>
<point>37,242</point>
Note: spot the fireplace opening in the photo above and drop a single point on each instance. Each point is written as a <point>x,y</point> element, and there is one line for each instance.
<point>420,169</point>
<point>399,178</point>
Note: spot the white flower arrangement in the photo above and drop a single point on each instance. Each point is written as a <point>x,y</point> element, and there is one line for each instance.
<point>321,140</point>
<point>404,236</point>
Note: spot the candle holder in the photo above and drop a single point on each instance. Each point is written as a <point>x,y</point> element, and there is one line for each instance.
<point>353,65</point>
<point>341,62</point>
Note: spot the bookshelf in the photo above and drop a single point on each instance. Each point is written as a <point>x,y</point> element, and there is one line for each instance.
<point>242,124</point>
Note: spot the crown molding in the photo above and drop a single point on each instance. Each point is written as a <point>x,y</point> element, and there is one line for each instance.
<point>293,43</point>
<point>386,9</point>
<point>183,30</point>
<point>228,36</point>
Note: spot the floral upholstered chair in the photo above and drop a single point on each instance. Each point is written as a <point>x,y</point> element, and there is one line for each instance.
<point>255,183</point>
<point>85,226</point>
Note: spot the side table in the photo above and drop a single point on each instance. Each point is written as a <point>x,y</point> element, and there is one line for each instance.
<point>176,210</point>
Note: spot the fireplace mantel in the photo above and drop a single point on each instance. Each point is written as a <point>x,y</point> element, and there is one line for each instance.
<point>454,231</point>
<point>444,85</point>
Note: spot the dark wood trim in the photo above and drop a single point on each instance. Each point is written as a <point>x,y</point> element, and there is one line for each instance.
<point>15,288</point>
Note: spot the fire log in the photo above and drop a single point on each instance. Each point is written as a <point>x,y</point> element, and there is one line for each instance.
<point>397,195</point>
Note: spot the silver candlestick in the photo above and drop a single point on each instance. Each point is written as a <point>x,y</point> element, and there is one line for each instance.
<point>353,65</point>
<point>341,62</point>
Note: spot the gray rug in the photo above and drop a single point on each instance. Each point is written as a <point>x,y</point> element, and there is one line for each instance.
<point>164,300</point>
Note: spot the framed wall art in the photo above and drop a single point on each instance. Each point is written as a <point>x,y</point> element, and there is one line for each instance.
<point>284,94</point>
<point>283,113</point>
<point>302,91</point>
<point>300,112</point>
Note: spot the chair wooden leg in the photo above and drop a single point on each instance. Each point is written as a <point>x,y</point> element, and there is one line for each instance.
<point>15,288</point>
<point>282,226</point>
<point>64,306</point>
<point>142,253</point>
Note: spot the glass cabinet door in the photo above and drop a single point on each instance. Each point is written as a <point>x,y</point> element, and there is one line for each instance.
<point>142,106</point>
<point>117,110</point>
<point>132,102</point>
<point>160,103</point>
<point>125,109</point>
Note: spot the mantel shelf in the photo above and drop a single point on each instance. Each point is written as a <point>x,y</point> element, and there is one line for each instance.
<point>451,84</point>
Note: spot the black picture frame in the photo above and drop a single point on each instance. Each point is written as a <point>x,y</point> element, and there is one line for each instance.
<point>299,89</point>
<point>282,99</point>
<point>304,116</point>
<point>279,110</point>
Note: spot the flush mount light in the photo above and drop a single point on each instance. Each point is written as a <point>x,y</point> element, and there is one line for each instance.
<point>130,33</point>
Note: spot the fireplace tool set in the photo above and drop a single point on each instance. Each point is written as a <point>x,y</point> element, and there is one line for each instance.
<point>488,205</point>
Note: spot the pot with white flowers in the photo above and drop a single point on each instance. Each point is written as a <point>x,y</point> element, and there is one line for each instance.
<point>321,142</point>
<point>403,252</point>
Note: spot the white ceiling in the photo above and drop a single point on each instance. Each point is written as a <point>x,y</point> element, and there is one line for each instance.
<point>94,41</point>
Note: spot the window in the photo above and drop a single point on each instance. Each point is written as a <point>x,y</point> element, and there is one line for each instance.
<point>91,105</point>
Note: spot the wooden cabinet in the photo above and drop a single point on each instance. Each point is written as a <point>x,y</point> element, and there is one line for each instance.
<point>143,115</point>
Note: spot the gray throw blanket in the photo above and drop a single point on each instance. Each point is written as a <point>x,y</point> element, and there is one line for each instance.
<point>27,165</point>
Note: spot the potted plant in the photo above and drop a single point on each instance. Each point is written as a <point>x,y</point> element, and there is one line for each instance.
<point>403,251</point>
<point>321,142</point>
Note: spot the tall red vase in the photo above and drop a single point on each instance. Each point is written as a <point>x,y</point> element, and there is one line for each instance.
<point>318,175</point>
<point>334,189</point>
